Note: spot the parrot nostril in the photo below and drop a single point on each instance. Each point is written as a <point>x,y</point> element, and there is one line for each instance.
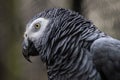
<point>25,35</point>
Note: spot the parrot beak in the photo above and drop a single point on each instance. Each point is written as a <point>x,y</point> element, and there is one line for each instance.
<point>25,49</point>
<point>29,49</point>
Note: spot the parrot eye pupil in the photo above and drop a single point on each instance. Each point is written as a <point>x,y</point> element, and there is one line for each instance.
<point>37,26</point>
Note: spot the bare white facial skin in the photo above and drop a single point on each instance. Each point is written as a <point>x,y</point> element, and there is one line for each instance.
<point>34,35</point>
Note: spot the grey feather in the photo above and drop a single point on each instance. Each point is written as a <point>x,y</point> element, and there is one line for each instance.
<point>106,56</point>
<point>74,49</point>
<point>67,48</point>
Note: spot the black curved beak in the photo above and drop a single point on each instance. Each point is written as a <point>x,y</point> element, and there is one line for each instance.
<point>28,49</point>
<point>25,49</point>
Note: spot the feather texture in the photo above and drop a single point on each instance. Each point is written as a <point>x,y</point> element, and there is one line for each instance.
<point>74,49</point>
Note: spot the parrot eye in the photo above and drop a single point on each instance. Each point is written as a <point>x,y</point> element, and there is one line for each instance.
<point>37,26</point>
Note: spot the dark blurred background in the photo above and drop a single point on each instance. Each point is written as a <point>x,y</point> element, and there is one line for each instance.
<point>14,15</point>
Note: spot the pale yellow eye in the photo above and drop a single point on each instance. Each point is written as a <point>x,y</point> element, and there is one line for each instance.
<point>37,26</point>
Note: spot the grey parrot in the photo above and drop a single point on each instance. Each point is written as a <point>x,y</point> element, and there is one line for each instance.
<point>72,47</point>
